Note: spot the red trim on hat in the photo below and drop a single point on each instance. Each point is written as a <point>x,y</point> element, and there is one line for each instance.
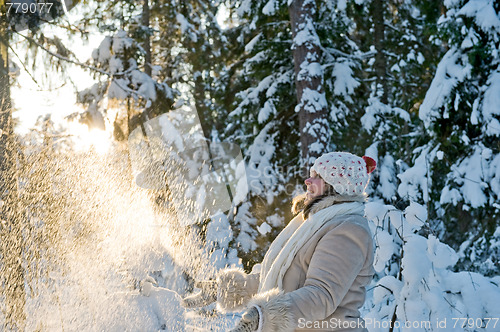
<point>371,164</point>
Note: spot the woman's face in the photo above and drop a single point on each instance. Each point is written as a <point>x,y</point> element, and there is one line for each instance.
<point>315,186</point>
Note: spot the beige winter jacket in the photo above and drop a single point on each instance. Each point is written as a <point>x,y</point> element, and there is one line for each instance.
<point>323,288</point>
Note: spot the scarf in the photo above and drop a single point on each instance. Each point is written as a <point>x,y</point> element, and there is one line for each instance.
<point>280,255</point>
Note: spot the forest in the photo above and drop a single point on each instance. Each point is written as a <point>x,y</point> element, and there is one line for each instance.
<point>250,93</point>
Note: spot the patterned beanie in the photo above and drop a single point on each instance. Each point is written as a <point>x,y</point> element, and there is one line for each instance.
<point>348,174</point>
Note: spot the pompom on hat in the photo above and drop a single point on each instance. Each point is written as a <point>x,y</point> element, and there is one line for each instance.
<point>348,174</point>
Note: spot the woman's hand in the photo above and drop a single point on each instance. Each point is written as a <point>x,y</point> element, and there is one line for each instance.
<point>206,296</point>
<point>249,321</point>
<point>232,289</point>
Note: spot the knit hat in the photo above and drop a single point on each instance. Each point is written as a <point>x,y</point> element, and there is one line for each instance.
<point>348,174</point>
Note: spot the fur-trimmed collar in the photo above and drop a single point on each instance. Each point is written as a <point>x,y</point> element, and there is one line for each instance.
<point>330,200</point>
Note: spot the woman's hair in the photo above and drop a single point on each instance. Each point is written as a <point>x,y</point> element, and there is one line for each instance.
<point>301,203</point>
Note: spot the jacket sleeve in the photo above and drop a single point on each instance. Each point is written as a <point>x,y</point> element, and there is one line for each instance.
<point>338,258</point>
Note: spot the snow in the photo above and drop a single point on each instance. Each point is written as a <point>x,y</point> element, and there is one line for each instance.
<point>484,14</point>
<point>395,68</point>
<point>115,65</point>
<point>116,91</point>
<point>246,238</point>
<point>266,111</point>
<point>183,22</point>
<point>415,283</point>
<point>251,44</point>
<point>103,53</point>
<point>260,171</point>
<point>121,42</point>
<point>306,35</point>
<point>377,110</point>
<point>416,214</point>
<point>251,95</point>
<point>264,228</point>
<point>244,7</point>
<point>448,74</point>
<point>415,181</point>
<point>387,175</point>
<point>494,174</point>
<point>123,311</point>
<point>269,8</point>
<point>242,187</point>
<point>386,285</point>
<point>275,220</point>
<point>468,174</point>
<point>385,247</point>
<point>490,107</point>
<point>440,254</point>
<point>219,230</point>
<point>469,41</point>
<point>312,101</point>
<point>170,132</point>
<point>345,82</point>
<point>420,58</point>
<point>308,70</point>
<point>144,84</point>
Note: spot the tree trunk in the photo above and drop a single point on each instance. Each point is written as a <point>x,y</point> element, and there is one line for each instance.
<point>379,41</point>
<point>200,65</point>
<point>312,105</point>
<point>11,240</point>
<point>147,37</point>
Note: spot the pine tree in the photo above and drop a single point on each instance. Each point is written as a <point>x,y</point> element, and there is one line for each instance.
<point>456,171</point>
<point>125,59</point>
<point>278,80</point>
<point>191,43</point>
<point>415,286</point>
<point>178,45</point>
<point>396,39</point>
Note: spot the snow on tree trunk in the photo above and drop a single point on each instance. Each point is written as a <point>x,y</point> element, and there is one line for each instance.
<point>312,105</point>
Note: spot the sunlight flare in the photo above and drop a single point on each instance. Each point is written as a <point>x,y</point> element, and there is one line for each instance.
<point>86,139</point>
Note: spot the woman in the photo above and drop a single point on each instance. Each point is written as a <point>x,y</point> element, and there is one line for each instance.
<point>313,276</point>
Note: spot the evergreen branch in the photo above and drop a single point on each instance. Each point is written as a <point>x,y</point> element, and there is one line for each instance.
<point>416,41</point>
<point>334,51</point>
<point>127,89</point>
<point>66,59</point>
<point>24,66</point>
<point>69,27</point>
<point>83,65</point>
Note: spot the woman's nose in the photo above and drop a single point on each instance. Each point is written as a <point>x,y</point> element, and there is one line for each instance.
<point>307,181</point>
